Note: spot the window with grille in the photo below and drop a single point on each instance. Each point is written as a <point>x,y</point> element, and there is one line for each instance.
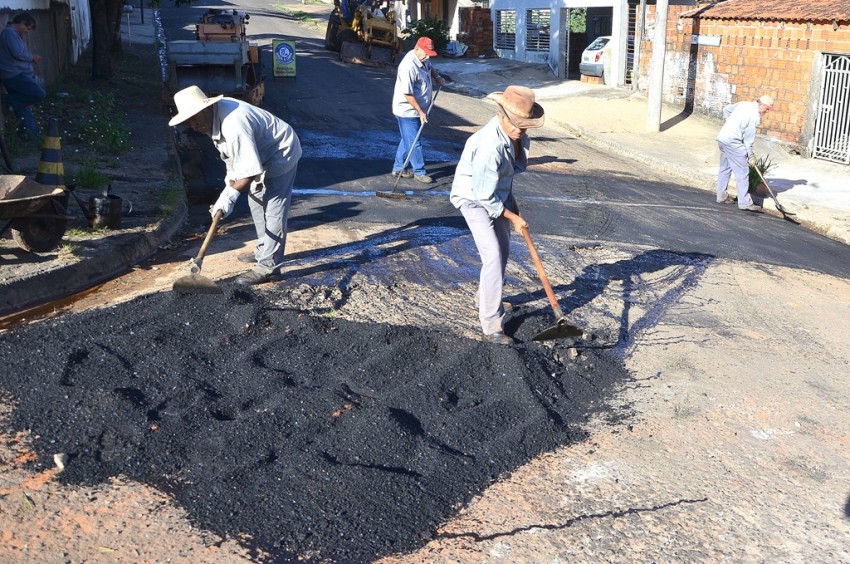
<point>537,30</point>
<point>505,29</point>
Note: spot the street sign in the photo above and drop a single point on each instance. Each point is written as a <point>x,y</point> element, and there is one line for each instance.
<point>283,54</point>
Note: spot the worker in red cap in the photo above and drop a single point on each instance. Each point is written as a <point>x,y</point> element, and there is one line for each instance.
<point>412,99</point>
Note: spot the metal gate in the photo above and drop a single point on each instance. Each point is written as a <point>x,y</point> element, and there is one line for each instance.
<point>832,128</point>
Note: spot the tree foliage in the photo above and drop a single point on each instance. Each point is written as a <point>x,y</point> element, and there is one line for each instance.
<point>578,20</point>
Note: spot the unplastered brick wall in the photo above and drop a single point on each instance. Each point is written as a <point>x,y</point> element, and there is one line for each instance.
<point>475,28</point>
<point>754,58</point>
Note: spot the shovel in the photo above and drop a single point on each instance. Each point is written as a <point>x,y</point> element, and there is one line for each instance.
<point>785,213</point>
<point>392,194</point>
<point>563,328</point>
<point>194,283</point>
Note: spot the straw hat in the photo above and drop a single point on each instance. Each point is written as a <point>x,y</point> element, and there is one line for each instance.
<point>190,101</point>
<point>518,103</point>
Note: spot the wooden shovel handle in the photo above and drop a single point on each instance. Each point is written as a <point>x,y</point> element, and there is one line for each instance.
<point>543,279</point>
<point>208,238</point>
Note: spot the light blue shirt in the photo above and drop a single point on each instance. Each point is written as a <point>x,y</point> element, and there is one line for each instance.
<point>485,172</point>
<point>414,79</point>
<point>252,141</point>
<point>15,58</point>
<point>742,122</point>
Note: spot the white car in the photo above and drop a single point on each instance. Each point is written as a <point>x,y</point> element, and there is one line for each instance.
<point>593,58</point>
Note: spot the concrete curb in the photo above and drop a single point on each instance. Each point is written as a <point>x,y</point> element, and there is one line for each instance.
<point>63,281</point>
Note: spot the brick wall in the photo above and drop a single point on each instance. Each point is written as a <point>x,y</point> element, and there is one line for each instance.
<point>754,58</point>
<point>475,28</point>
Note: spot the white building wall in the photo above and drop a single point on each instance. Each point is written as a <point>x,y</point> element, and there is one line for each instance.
<point>619,26</point>
<point>80,27</point>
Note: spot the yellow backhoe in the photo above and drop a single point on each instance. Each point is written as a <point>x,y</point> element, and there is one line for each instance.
<point>364,32</point>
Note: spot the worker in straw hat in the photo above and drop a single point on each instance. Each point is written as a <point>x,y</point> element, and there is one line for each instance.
<point>483,192</point>
<point>261,154</point>
<point>735,141</point>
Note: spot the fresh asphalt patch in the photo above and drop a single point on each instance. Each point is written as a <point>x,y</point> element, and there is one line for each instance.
<point>304,436</point>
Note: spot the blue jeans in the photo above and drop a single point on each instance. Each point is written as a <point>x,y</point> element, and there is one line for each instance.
<point>22,92</point>
<point>408,127</point>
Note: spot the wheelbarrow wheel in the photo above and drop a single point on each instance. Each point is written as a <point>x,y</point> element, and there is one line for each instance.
<point>42,234</point>
<point>38,235</point>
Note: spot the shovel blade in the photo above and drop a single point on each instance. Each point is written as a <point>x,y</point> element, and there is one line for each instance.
<point>561,330</point>
<point>195,284</point>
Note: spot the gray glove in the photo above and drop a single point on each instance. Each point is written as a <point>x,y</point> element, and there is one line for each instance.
<point>226,201</point>
<point>752,160</point>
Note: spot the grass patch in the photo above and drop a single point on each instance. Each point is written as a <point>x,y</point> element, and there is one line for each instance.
<point>88,176</point>
<point>304,18</point>
<point>172,196</point>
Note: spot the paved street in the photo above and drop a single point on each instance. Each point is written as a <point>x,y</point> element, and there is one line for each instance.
<point>715,360</point>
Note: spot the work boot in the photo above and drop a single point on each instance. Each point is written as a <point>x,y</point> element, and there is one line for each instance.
<point>750,208</point>
<point>403,174</point>
<point>253,277</point>
<point>423,178</point>
<point>728,200</point>
<point>498,338</point>
<point>246,257</point>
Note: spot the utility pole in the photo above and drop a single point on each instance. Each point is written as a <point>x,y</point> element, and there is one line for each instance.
<point>656,68</point>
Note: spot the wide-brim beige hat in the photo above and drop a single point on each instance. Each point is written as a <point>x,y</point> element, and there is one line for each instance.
<point>190,101</point>
<point>518,103</point>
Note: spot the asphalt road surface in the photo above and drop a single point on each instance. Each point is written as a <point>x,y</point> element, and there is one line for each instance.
<point>350,413</point>
<point>342,115</point>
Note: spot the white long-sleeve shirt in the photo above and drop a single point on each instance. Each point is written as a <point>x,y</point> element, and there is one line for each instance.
<point>742,122</point>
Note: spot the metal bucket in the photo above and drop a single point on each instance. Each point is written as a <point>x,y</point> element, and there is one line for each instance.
<point>105,211</point>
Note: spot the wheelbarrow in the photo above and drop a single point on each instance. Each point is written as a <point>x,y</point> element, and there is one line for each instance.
<point>37,214</point>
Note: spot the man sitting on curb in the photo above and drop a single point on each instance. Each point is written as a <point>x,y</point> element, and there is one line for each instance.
<point>17,74</point>
<point>412,97</point>
<point>261,154</point>
<point>735,140</point>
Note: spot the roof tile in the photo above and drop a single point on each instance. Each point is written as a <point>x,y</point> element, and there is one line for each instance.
<point>787,10</point>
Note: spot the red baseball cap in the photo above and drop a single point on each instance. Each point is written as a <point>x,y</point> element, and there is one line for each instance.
<point>427,45</point>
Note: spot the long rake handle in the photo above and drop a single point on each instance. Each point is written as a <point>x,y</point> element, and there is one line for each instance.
<point>543,279</point>
<point>415,139</point>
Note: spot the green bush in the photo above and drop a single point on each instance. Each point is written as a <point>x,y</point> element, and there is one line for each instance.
<point>436,29</point>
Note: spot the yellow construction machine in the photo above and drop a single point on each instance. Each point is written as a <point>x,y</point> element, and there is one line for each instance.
<point>364,32</point>
<point>220,60</point>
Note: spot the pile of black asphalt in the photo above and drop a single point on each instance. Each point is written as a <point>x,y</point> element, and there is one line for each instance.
<point>304,436</point>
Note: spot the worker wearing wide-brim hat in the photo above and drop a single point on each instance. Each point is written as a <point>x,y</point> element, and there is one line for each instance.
<point>483,192</point>
<point>261,153</point>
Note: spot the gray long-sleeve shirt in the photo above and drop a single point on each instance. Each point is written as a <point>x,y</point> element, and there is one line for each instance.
<point>742,122</point>
<point>15,58</point>
<point>485,172</point>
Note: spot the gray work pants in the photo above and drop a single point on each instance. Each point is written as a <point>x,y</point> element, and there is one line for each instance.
<point>734,160</point>
<point>269,200</point>
<point>492,238</point>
